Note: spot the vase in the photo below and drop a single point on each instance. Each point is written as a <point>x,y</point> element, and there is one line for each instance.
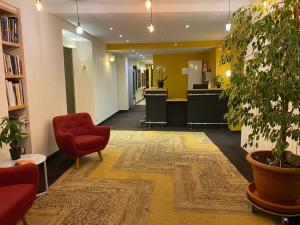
<point>160,84</point>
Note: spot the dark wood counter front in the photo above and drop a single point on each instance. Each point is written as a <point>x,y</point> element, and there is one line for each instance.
<point>176,111</point>
<point>206,107</point>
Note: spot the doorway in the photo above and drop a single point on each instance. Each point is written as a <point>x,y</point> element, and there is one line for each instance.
<point>69,80</point>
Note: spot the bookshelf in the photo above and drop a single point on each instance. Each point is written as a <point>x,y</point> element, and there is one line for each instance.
<point>12,69</point>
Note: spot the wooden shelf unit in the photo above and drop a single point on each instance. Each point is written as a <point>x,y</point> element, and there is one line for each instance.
<point>14,49</point>
<point>10,44</point>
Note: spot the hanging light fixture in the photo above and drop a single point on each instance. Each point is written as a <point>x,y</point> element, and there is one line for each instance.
<point>228,24</point>
<point>148,4</point>
<point>38,5</point>
<point>79,29</point>
<point>151,27</point>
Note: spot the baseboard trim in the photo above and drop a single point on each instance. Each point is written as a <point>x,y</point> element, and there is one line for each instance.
<point>99,124</point>
<point>54,155</point>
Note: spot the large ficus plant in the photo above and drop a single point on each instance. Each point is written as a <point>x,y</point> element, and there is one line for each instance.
<point>264,92</point>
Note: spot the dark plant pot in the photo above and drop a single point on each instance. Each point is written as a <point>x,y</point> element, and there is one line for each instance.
<point>160,83</point>
<point>15,153</point>
<point>278,186</point>
<point>218,85</point>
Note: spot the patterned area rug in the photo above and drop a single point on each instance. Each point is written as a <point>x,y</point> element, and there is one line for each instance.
<point>157,178</point>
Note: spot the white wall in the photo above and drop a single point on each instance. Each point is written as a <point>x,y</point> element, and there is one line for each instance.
<point>122,74</point>
<point>103,80</point>
<point>43,50</point>
<point>84,78</point>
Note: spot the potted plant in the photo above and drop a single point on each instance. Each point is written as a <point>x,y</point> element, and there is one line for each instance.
<point>264,92</point>
<point>161,76</point>
<point>12,135</point>
<point>218,80</point>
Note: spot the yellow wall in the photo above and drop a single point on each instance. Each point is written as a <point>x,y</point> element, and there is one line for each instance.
<point>177,83</point>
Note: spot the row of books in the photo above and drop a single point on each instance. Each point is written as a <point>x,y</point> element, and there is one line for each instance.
<point>15,94</point>
<point>9,29</point>
<point>12,65</point>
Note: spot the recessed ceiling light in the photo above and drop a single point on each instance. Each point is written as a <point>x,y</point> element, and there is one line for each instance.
<point>141,55</point>
<point>127,41</point>
<point>121,35</point>
<point>137,53</point>
<point>144,57</point>
<point>132,50</point>
<point>187,26</point>
<point>111,28</point>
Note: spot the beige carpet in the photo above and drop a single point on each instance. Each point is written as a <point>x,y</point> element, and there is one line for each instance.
<point>157,178</point>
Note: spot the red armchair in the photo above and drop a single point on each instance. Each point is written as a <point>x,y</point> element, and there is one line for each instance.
<point>18,188</point>
<point>76,135</point>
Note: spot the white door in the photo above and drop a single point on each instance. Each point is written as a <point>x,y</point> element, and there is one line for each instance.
<point>195,73</point>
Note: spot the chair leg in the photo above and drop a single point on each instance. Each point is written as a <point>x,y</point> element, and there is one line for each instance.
<point>77,163</point>
<point>100,155</point>
<point>25,221</point>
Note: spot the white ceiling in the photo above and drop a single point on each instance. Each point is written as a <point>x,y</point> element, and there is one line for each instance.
<point>130,18</point>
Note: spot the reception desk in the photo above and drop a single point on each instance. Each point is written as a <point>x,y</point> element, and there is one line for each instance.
<point>205,107</point>
<point>200,107</point>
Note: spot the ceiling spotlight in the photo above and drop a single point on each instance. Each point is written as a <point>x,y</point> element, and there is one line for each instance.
<point>151,28</point>
<point>127,41</point>
<point>187,26</point>
<point>144,57</point>
<point>228,73</point>
<point>265,3</point>
<point>79,29</point>
<point>148,4</point>
<point>137,53</point>
<point>111,28</point>
<point>132,50</point>
<point>141,55</point>
<point>38,5</point>
<point>121,35</point>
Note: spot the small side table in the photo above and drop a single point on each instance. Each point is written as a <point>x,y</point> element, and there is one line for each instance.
<point>36,158</point>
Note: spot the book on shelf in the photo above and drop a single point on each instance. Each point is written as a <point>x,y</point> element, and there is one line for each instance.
<point>9,29</point>
<point>23,119</point>
<point>15,93</point>
<point>12,65</point>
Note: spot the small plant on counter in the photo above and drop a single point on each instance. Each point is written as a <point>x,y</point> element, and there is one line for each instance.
<point>218,80</point>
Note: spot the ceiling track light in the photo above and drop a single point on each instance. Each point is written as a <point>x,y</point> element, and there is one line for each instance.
<point>38,4</point>
<point>151,27</point>
<point>228,24</point>
<point>79,29</point>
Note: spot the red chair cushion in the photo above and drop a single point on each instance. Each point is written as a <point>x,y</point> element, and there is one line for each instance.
<point>85,142</point>
<point>16,200</point>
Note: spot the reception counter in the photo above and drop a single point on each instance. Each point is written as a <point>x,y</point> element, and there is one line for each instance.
<point>201,106</point>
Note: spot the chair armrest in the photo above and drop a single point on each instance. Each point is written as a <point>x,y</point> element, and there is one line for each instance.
<point>23,174</point>
<point>103,131</point>
<point>65,142</point>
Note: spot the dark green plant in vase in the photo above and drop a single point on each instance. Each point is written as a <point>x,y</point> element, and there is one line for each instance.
<point>218,80</point>
<point>161,76</point>
<point>264,89</point>
<point>12,135</point>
